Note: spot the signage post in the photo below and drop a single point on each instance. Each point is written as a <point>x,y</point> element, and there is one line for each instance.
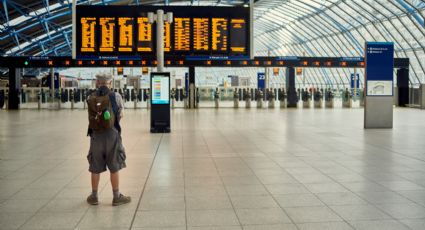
<point>160,102</point>
<point>379,86</point>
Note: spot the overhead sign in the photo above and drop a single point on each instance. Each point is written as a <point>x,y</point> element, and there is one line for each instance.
<point>379,68</point>
<point>124,31</point>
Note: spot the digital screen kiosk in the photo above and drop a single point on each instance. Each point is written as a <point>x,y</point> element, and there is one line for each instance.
<point>160,102</point>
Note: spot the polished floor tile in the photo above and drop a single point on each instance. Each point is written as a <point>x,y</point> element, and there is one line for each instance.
<point>218,170</point>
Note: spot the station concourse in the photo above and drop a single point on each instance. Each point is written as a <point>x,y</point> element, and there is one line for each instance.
<point>236,115</point>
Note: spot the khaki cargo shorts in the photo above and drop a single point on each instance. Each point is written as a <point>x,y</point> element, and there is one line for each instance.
<point>106,150</point>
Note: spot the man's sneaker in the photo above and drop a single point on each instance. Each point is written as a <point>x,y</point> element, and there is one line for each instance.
<point>92,200</point>
<point>121,200</point>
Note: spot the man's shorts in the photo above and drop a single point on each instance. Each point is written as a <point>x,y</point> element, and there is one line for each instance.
<point>106,150</point>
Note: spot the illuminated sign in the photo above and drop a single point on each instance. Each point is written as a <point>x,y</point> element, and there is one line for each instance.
<point>112,32</point>
<point>200,34</point>
<point>125,34</point>
<point>219,34</point>
<point>182,34</point>
<point>167,37</point>
<point>88,38</point>
<point>144,38</point>
<point>238,35</point>
<point>107,34</point>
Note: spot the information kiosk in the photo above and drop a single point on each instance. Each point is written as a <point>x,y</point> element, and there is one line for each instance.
<point>160,102</point>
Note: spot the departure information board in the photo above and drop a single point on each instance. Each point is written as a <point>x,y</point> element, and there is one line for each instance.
<point>182,34</point>
<point>200,34</point>
<point>125,34</point>
<point>88,38</point>
<point>219,34</point>
<point>107,34</point>
<point>144,38</point>
<point>124,31</point>
<point>167,37</point>
<point>237,35</point>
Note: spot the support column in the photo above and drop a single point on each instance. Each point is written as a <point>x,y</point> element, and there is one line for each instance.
<point>14,87</point>
<point>192,89</point>
<point>403,87</point>
<point>290,88</point>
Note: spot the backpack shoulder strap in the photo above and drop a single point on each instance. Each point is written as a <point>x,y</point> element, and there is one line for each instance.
<point>113,103</point>
<point>115,109</point>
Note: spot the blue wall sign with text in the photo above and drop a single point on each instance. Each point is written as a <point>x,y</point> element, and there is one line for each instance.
<point>379,68</point>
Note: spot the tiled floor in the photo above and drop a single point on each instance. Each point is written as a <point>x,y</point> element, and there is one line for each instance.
<point>218,169</point>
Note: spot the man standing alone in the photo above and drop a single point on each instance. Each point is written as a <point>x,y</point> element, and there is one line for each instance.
<point>106,148</point>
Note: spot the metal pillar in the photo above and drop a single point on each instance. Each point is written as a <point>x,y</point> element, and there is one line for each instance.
<point>14,87</point>
<point>292,99</point>
<point>160,40</point>
<point>192,88</point>
<point>74,29</point>
<point>402,87</point>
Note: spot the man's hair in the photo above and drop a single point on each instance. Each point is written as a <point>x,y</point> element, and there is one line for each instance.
<point>103,78</point>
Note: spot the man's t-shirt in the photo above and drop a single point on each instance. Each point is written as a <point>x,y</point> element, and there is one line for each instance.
<point>120,104</point>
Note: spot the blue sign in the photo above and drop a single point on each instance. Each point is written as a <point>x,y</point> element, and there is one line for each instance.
<point>357,85</point>
<point>212,58</point>
<point>287,58</point>
<point>379,68</point>
<point>261,83</point>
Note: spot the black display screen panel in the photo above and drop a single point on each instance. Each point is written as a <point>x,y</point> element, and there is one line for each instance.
<point>124,31</point>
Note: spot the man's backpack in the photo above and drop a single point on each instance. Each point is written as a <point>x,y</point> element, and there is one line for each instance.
<point>101,113</point>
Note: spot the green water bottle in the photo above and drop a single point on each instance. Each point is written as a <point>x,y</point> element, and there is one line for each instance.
<point>106,115</point>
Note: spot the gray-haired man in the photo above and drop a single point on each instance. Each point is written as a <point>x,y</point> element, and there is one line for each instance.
<point>106,149</point>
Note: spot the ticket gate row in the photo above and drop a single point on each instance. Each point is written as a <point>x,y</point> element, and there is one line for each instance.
<point>36,97</point>
<point>328,95</point>
<point>263,98</point>
<point>73,97</point>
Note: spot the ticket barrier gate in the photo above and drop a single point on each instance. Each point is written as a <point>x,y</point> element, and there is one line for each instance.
<point>197,99</point>
<point>236,99</point>
<point>241,94</point>
<point>271,98</point>
<point>185,99</point>
<point>329,98</point>
<point>216,98</point>
<point>346,99</point>
<point>247,97</point>
<point>259,97</point>
<point>148,101</point>
<point>306,97</point>
<point>318,100</point>
<point>173,97</point>
<point>2,98</point>
<point>361,97</point>
<point>282,98</point>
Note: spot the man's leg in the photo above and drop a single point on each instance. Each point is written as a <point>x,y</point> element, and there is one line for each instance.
<point>92,199</point>
<point>95,177</point>
<point>118,197</point>
<point>115,182</point>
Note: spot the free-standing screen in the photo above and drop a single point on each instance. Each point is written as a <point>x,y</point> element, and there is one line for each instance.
<point>160,86</point>
<point>124,31</point>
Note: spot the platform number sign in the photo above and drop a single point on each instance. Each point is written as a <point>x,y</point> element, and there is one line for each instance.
<point>261,77</point>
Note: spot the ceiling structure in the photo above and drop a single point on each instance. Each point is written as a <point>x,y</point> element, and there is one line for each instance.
<point>281,28</point>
